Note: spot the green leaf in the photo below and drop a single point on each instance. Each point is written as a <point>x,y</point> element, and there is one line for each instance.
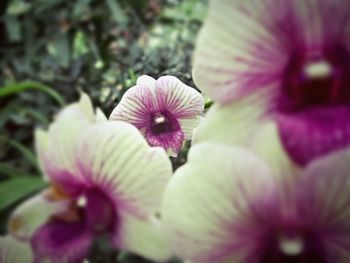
<point>10,170</point>
<point>26,85</point>
<point>15,189</point>
<point>27,153</point>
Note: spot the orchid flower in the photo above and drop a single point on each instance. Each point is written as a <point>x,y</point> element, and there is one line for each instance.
<point>14,251</point>
<point>104,179</point>
<point>165,110</point>
<point>247,220</point>
<point>288,61</point>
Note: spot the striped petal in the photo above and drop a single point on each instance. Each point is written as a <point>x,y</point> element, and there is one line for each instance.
<point>324,201</point>
<point>55,148</point>
<point>143,236</point>
<point>146,81</point>
<point>115,157</point>
<point>14,251</point>
<point>156,108</point>
<point>241,49</point>
<point>189,125</point>
<point>230,179</point>
<point>235,52</point>
<point>135,107</point>
<point>178,98</point>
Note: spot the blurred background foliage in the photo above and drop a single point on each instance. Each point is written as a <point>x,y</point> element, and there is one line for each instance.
<point>52,50</point>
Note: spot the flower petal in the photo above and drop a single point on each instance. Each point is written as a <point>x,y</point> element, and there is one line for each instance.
<point>116,157</point>
<point>231,180</point>
<point>143,236</point>
<point>315,132</point>
<point>324,200</point>
<point>146,81</point>
<point>178,98</point>
<point>266,143</point>
<point>135,107</point>
<point>100,116</point>
<point>61,242</point>
<point>240,49</point>
<point>55,148</point>
<point>234,123</point>
<point>170,141</point>
<point>235,52</point>
<point>188,126</point>
<point>30,215</point>
<point>14,251</point>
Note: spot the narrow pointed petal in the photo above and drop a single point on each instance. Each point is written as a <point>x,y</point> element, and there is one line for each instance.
<point>324,198</point>
<point>84,105</point>
<point>55,148</point>
<point>115,157</point>
<point>181,100</point>
<point>146,81</point>
<point>189,125</point>
<point>61,242</point>
<point>14,251</point>
<point>33,213</point>
<point>231,179</point>
<point>143,236</point>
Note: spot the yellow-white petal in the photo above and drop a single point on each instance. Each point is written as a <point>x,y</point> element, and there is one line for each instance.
<point>14,251</point>
<point>143,236</point>
<point>215,204</point>
<point>116,157</point>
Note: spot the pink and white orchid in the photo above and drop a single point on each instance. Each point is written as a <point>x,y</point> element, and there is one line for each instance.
<point>14,251</point>
<point>283,60</point>
<point>247,220</point>
<point>104,179</point>
<point>165,110</point>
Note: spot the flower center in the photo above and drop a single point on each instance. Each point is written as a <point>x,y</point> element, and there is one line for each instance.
<point>163,122</point>
<point>316,79</point>
<point>99,210</point>
<point>293,248</point>
<point>92,206</point>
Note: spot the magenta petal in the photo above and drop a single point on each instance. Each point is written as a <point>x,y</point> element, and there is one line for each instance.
<point>64,242</point>
<point>100,211</point>
<point>170,141</point>
<point>314,132</point>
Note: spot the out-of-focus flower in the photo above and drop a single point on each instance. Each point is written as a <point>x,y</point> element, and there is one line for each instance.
<point>104,179</point>
<point>164,110</point>
<point>283,60</point>
<point>14,251</point>
<point>247,220</point>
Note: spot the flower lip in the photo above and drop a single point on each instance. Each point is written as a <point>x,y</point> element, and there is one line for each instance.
<point>163,122</point>
<point>92,207</point>
<point>100,211</point>
<point>316,79</point>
